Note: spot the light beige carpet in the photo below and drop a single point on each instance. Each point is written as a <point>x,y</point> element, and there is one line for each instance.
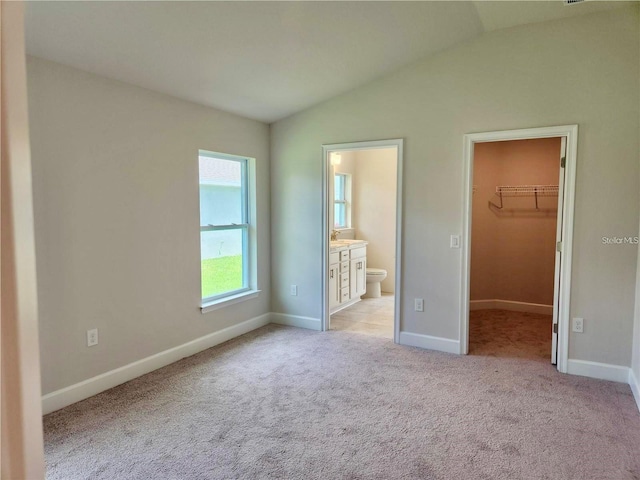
<point>501,333</point>
<point>289,403</point>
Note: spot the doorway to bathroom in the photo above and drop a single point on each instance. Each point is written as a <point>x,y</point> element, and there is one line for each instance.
<point>362,215</point>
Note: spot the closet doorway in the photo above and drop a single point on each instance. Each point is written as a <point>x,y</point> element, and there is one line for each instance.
<point>517,260</point>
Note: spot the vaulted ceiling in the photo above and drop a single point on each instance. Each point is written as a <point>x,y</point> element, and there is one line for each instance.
<point>261,59</point>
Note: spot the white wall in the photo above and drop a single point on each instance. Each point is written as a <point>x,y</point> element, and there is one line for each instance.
<point>581,70</point>
<point>115,171</point>
<point>634,377</point>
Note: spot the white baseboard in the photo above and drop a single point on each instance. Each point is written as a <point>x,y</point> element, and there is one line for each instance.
<point>635,387</point>
<point>429,342</point>
<point>511,306</point>
<point>482,305</point>
<point>66,396</point>
<point>296,321</point>
<point>603,371</point>
<point>346,304</point>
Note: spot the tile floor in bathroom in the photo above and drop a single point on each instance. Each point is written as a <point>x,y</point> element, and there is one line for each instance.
<point>372,316</point>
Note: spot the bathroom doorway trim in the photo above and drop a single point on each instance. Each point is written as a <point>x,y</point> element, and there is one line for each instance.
<point>327,150</point>
<point>562,300</point>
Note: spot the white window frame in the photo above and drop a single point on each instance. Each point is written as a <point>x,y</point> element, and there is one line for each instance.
<point>346,202</point>
<point>247,227</point>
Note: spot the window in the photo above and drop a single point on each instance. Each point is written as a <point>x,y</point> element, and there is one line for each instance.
<point>224,225</point>
<point>342,201</point>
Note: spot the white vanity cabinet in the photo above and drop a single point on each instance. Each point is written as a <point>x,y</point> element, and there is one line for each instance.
<point>334,280</point>
<point>358,272</point>
<point>347,273</point>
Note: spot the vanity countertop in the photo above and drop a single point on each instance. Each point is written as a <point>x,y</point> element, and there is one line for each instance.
<point>338,245</point>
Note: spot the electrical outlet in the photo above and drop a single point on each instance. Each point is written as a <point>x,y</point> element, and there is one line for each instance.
<point>419,305</point>
<point>92,337</point>
<point>578,325</point>
<point>455,241</point>
<point>294,290</point>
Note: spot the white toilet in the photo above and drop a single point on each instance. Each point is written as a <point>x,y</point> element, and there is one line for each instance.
<point>374,277</point>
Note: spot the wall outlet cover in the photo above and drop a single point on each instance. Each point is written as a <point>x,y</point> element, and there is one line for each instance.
<point>92,337</point>
<point>578,325</point>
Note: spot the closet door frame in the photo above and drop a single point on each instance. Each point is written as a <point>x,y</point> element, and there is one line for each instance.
<point>562,294</point>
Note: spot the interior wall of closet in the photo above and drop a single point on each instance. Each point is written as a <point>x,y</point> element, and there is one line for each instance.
<point>515,201</point>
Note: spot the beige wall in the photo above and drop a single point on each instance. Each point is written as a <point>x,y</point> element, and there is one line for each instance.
<point>373,209</point>
<point>582,70</point>
<point>375,220</point>
<point>21,433</point>
<point>115,171</point>
<point>513,249</point>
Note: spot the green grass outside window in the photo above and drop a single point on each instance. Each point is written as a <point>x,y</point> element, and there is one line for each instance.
<point>220,275</point>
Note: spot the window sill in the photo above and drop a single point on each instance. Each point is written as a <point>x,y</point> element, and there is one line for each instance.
<point>225,302</point>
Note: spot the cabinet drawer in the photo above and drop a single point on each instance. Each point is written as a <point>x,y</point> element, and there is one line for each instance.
<point>344,279</point>
<point>344,255</point>
<point>334,257</point>
<point>359,252</point>
<point>344,267</point>
<point>344,294</point>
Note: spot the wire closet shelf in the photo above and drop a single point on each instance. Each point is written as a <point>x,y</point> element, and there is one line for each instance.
<point>524,191</point>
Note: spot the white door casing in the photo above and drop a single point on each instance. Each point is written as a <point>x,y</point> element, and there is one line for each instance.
<point>563,271</point>
<point>558,259</point>
<point>327,191</point>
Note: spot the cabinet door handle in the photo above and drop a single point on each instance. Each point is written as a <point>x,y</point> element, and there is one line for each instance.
<point>331,273</point>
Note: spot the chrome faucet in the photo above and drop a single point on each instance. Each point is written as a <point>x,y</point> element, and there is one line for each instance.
<point>334,235</point>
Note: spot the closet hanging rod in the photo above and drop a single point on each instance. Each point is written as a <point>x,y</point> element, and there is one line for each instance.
<point>527,190</point>
<point>524,191</point>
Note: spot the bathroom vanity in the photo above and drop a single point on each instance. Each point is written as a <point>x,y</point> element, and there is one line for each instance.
<point>347,273</point>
